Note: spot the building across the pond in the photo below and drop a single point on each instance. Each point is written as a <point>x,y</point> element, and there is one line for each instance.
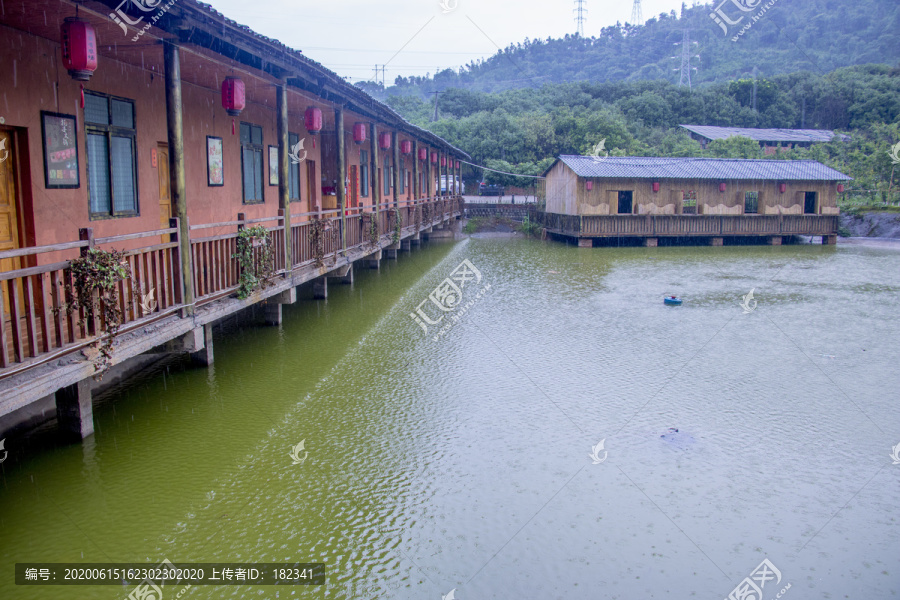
<point>649,198</point>
<point>771,140</point>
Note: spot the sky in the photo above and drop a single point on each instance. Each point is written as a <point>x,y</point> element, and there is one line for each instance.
<point>416,37</point>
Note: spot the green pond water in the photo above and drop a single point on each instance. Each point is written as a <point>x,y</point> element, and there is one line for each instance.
<point>469,460</point>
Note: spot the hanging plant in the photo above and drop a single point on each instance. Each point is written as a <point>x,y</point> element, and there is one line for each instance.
<point>93,291</point>
<point>255,258</point>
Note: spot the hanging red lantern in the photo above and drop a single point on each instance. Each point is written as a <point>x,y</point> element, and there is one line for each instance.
<point>406,147</point>
<point>359,132</point>
<point>79,48</point>
<point>782,187</point>
<point>384,140</point>
<point>457,165</point>
<point>434,157</point>
<point>722,187</point>
<point>312,118</point>
<point>233,96</point>
<point>655,186</point>
<point>588,185</point>
<point>840,187</point>
<point>443,161</point>
<point>423,153</point>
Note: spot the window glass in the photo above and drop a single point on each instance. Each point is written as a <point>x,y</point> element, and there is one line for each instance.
<point>123,174</point>
<point>96,109</point>
<point>98,173</point>
<point>751,202</point>
<point>122,114</point>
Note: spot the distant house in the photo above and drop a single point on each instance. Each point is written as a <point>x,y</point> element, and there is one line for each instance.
<point>770,139</point>
<point>691,197</point>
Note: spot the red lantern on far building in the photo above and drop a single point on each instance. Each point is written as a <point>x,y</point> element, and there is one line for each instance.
<point>359,132</point>
<point>443,161</point>
<point>457,165</point>
<point>406,147</point>
<point>655,186</point>
<point>840,187</point>
<point>312,118</point>
<point>434,158</point>
<point>233,96</point>
<point>79,48</point>
<point>588,185</point>
<point>782,187</point>
<point>423,153</point>
<point>722,187</point>
<point>384,140</point>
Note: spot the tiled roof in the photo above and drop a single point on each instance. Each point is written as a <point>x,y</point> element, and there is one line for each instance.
<point>638,167</point>
<point>766,135</point>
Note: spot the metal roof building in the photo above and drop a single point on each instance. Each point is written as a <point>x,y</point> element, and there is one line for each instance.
<point>766,137</point>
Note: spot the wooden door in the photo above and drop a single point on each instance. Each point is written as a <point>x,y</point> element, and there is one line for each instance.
<point>165,198</point>
<point>354,187</point>
<point>10,237</point>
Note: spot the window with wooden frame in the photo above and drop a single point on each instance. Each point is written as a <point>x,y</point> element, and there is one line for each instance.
<point>252,163</point>
<point>363,173</point>
<point>751,203</point>
<point>111,157</point>
<point>293,171</point>
<point>388,177</point>
<point>688,202</point>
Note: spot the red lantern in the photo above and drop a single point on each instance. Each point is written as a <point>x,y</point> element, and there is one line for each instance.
<point>443,161</point>
<point>840,187</point>
<point>406,147</point>
<point>434,158</point>
<point>589,185</point>
<point>655,186</point>
<point>423,154</point>
<point>233,96</point>
<point>359,132</point>
<point>722,187</point>
<point>384,140</point>
<point>457,165</point>
<point>312,118</point>
<point>79,48</point>
<point>782,187</point>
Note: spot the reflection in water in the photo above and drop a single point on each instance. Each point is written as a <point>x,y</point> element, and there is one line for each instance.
<point>466,462</point>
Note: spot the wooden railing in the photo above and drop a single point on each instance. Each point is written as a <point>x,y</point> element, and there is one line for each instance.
<point>36,327</point>
<point>689,225</point>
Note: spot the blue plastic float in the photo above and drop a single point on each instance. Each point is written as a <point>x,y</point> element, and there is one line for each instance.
<point>672,301</point>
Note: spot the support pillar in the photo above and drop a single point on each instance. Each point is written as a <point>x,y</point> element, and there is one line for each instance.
<point>829,240</point>
<point>774,240</point>
<point>651,242</point>
<point>405,245</point>
<point>585,243</point>
<point>320,288</point>
<point>343,275</point>
<point>175,137</point>
<point>284,201</point>
<point>342,173</point>
<point>373,261</point>
<point>716,241</point>
<point>273,307</point>
<point>415,171</point>
<point>205,356</point>
<point>395,180</point>
<point>74,411</point>
<point>375,169</point>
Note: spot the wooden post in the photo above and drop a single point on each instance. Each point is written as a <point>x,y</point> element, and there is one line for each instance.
<point>176,264</point>
<point>342,171</point>
<point>377,181</point>
<point>175,135</point>
<point>284,200</point>
<point>395,143</point>
<point>428,177</point>
<point>459,190</point>
<point>415,171</point>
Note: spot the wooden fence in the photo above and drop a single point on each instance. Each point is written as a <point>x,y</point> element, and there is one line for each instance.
<point>36,327</point>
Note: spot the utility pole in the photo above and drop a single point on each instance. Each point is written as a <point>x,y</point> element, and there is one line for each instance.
<point>435,117</point>
<point>579,11</point>
<point>637,17</point>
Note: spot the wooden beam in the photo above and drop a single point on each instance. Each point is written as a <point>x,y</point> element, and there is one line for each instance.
<point>342,172</point>
<point>284,200</point>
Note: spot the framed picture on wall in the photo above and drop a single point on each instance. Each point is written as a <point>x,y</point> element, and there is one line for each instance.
<point>215,172</point>
<point>60,151</point>
<point>273,165</point>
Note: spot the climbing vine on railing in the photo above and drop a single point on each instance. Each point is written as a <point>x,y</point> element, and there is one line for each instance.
<point>370,228</point>
<point>255,258</point>
<point>93,290</point>
<point>394,215</point>
<point>319,231</point>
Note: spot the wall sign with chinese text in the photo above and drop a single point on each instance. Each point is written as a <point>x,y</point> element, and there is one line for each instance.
<point>60,151</point>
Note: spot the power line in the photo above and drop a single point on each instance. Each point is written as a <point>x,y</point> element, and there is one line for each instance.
<point>686,57</point>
